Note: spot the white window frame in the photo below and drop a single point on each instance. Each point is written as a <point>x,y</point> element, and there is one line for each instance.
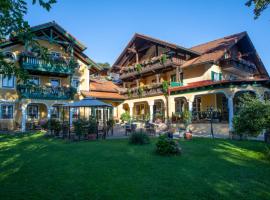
<point>57,109</point>
<point>13,55</point>
<point>34,77</point>
<point>6,109</point>
<point>55,54</point>
<point>79,85</point>
<point>13,81</point>
<point>28,114</point>
<point>55,79</point>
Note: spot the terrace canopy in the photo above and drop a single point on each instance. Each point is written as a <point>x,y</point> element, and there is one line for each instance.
<point>89,102</point>
<point>94,105</point>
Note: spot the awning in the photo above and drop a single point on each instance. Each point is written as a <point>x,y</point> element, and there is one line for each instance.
<point>88,102</point>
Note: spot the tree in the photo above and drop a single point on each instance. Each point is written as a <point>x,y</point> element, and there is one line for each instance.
<point>252,117</point>
<point>259,6</point>
<point>13,24</point>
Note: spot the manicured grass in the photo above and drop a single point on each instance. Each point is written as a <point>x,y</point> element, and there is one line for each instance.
<point>34,167</point>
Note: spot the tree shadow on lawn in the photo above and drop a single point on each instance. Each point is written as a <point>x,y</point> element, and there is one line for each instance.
<point>208,169</point>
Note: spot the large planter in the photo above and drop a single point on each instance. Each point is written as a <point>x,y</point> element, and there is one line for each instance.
<point>92,136</point>
<point>188,135</point>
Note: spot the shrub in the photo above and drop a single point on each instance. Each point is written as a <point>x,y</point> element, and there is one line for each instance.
<point>79,127</point>
<point>252,116</point>
<point>167,146</point>
<point>139,138</point>
<point>53,125</point>
<point>92,126</point>
<point>186,118</point>
<point>125,117</point>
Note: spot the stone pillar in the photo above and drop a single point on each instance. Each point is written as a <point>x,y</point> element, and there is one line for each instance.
<point>151,108</point>
<point>131,109</point>
<point>23,125</point>
<point>230,107</point>
<point>190,105</point>
<point>49,113</point>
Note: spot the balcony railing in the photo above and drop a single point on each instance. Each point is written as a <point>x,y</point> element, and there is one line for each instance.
<point>152,65</point>
<point>240,64</point>
<point>143,91</point>
<point>45,92</point>
<point>59,65</point>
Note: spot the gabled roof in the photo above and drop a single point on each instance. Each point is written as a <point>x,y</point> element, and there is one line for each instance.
<point>61,30</point>
<point>157,41</point>
<point>214,50</point>
<point>103,89</point>
<point>78,46</point>
<point>103,86</point>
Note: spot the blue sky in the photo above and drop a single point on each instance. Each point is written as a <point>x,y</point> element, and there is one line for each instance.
<point>106,26</point>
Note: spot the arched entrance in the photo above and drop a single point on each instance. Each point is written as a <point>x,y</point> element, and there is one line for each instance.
<point>141,111</point>
<point>181,105</point>
<point>213,105</point>
<point>159,110</point>
<point>36,115</point>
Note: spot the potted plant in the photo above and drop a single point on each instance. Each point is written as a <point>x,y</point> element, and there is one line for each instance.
<point>187,121</point>
<point>163,59</point>
<point>125,117</point>
<point>140,91</point>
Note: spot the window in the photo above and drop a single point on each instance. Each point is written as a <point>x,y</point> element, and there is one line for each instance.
<point>10,56</point>
<point>32,111</point>
<point>8,81</point>
<point>216,76</point>
<point>7,111</point>
<point>75,83</point>
<point>55,82</point>
<point>173,78</point>
<point>75,113</point>
<point>55,112</point>
<point>34,80</point>
<point>55,54</point>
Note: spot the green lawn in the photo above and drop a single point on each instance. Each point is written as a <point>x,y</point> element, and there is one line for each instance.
<point>33,167</point>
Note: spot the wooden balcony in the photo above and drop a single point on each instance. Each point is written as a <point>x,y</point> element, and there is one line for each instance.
<point>239,66</point>
<point>156,65</point>
<point>59,66</point>
<point>144,91</point>
<point>29,91</point>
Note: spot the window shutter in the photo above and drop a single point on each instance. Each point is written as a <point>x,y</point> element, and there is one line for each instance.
<point>212,75</point>
<point>220,76</point>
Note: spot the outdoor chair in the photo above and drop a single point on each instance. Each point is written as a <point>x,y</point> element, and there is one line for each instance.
<point>130,128</point>
<point>150,129</point>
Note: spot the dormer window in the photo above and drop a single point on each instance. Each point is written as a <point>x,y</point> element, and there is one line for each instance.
<point>55,54</point>
<point>10,56</point>
<point>226,55</point>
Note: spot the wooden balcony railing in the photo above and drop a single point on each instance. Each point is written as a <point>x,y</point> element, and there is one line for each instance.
<point>59,66</point>
<point>240,64</point>
<point>151,66</point>
<point>44,92</point>
<point>143,91</point>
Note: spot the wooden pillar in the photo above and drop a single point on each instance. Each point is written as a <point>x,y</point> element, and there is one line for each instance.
<point>177,74</point>
<point>157,78</point>
<point>138,83</point>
